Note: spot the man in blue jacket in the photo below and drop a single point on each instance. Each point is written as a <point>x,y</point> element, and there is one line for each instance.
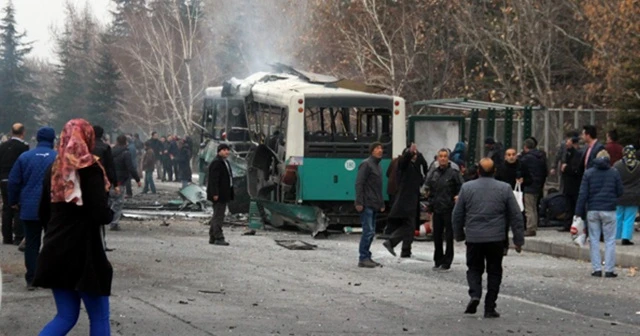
<point>599,191</point>
<point>25,189</point>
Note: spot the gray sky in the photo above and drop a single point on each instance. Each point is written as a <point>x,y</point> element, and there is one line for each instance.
<point>38,17</point>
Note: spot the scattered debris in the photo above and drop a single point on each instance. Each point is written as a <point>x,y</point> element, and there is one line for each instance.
<point>296,245</point>
<point>633,271</point>
<point>249,233</point>
<point>206,291</point>
<point>183,302</point>
<point>357,284</point>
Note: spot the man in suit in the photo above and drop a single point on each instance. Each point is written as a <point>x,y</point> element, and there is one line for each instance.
<point>220,192</point>
<point>592,147</point>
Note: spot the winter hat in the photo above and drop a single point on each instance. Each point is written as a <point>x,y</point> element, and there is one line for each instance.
<point>223,146</point>
<point>46,134</point>
<point>489,141</point>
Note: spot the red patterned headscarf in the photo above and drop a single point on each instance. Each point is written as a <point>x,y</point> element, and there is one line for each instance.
<point>74,152</point>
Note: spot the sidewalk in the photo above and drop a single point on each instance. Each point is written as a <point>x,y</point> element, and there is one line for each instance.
<point>559,244</point>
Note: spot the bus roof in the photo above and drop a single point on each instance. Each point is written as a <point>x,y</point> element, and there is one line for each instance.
<point>280,88</point>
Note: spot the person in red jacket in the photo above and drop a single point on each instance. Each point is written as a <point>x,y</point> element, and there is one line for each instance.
<point>613,147</point>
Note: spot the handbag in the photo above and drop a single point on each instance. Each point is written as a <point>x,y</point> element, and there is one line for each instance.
<point>517,192</point>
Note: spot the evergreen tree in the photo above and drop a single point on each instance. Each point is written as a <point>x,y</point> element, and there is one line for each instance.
<point>125,12</point>
<point>628,121</point>
<point>17,104</point>
<point>104,93</point>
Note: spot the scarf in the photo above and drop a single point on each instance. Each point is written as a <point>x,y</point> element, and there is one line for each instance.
<point>74,152</point>
<point>629,157</point>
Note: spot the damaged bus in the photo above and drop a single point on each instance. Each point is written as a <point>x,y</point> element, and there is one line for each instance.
<point>298,141</point>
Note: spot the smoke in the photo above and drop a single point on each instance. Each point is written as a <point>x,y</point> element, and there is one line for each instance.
<point>251,34</point>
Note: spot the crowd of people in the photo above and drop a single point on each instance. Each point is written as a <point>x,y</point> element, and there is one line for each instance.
<point>600,184</point>
<point>70,188</point>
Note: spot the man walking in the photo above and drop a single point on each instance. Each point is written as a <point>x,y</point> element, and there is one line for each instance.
<point>25,190</point>
<point>148,165</point>
<point>403,211</point>
<point>10,150</point>
<point>482,214</point>
<point>536,164</point>
<point>125,171</point>
<point>369,201</point>
<point>220,192</point>
<point>599,191</point>
<point>443,187</point>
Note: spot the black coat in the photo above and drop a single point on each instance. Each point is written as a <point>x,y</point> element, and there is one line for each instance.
<point>103,151</point>
<point>443,186</point>
<point>510,172</point>
<point>409,177</point>
<point>184,165</point>
<point>72,255</point>
<point>125,170</point>
<point>219,183</point>
<point>572,174</point>
<point>10,150</point>
<point>536,163</point>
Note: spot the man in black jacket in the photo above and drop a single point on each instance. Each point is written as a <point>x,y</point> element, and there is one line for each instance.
<point>403,210</point>
<point>158,148</point>
<point>103,151</point>
<point>536,163</point>
<point>10,150</point>
<point>572,175</point>
<point>125,171</point>
<point>443,187</point>
<point>369,201</point>
<point>220,192</point>
<point>554,209</point>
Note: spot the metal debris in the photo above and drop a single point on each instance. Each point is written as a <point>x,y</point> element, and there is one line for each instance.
<point>296,245</point>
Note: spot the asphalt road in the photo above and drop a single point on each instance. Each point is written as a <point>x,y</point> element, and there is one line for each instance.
<point>170,281</point>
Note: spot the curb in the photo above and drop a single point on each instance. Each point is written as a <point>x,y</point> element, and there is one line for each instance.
<point>576,252</point>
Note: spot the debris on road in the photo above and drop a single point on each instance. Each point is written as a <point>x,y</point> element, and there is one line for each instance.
<point>206,291</point>
<point>296,245</point>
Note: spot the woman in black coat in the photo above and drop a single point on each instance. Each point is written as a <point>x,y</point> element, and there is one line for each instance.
<point>73,207</point>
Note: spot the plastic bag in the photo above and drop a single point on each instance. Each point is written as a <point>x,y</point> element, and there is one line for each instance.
<point>517,192</point>
<point>578,231</point>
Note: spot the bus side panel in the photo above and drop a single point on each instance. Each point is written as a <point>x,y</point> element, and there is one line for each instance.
<point>330,179</point>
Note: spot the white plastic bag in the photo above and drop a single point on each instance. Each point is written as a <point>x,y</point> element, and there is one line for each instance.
<point>578,231</point>
<point>517,192</point>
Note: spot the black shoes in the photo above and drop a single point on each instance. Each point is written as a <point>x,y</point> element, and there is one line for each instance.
<point>627,242</point>
<point>368,263</point>
<point>597,274</point>
<point>387,245</point>
<point>610,275</point>
<point>219,242</point>
<point>491,314</point>
<point>472,307</point>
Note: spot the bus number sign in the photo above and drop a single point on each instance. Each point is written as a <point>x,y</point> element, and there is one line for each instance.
<point>350,165</point>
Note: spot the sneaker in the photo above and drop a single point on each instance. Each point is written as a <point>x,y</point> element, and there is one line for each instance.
<point>627,242</point>
<point>387,245</point>
<point>368,263</point>
<point>220,242</point>
<point>491,314</point>
<point>597,274</point>
<point>610,275</point>
<point>472,307</point>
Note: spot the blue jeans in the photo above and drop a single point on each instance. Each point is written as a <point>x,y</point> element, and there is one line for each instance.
<point>68,305</point>
<point>148,182</point>
<point>626,219</point>
<point>117,201</point>
<point>602,222</point>
<point>368,221</point>
<point>32,234</point>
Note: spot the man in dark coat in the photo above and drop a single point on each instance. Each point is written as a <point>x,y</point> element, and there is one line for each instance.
<point>166,160</point>
<point>555,209</point>
<point>10,150</point>
<point>158,148</point>
<point>571,175</point>
<point>220,192</point>
<point>125,171</point>
<point>483,212</point>
<point>536,163</point>
<point>512,170</point>
<point>184,161</point>
<point>403,210</point>
<point>495,151</point>
<point>103,151</point>
<point>443,187</point>
<point>592,147</point>
<point>369,201</point>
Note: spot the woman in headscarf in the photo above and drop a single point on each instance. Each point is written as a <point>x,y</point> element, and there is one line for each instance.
<point>73,262</point>
<point>629,168</point>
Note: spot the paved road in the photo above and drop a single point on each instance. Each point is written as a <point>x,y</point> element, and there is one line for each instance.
<point>169,281</point>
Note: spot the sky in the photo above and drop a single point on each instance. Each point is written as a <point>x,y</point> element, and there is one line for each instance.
<point>38,17</point>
